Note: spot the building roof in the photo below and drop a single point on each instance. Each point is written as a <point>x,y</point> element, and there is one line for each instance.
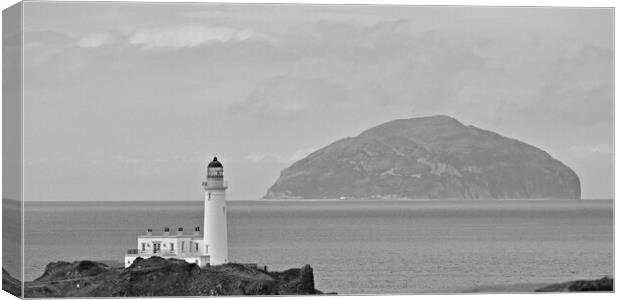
<point>215,163</point>
<point>170,236</point>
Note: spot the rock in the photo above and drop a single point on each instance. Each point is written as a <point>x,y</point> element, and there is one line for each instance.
<point>301,281</point>
<point>306,280</point>
<point>10,284</point>
<point>64,270</point>
<point>427,158</point>
<point>603,284</point>
<point>157,276</point>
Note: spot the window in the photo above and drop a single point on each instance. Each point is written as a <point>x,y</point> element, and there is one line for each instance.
<point>171,246</point>
<point>206,248</point>
<point>143,247</point>
<point>196,247</point>
<point>209,194</point>
<point>182,246</point>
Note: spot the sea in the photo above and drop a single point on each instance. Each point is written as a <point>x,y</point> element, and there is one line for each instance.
<point>356,247</point>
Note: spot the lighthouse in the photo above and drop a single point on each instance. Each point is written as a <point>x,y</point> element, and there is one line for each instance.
<point>215,243</point>
<point>209,248</point>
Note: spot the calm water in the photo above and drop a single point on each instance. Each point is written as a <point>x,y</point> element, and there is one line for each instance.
<point>356,247</point>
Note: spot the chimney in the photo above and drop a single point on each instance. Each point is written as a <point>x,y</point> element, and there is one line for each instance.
<point>149,231</point>
<point>197,230</point>
<point>180,231</point>
<point>166,231</point>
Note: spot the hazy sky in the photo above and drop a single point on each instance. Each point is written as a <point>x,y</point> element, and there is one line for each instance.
<point>128,101</point>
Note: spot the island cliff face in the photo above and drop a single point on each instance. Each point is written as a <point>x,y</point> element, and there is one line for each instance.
<point>157,276</point>
<point>433,157</point>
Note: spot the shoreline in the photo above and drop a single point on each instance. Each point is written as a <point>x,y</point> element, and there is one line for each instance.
<point>157,276</point>
<point>475,220</point>
<point>68,277</point>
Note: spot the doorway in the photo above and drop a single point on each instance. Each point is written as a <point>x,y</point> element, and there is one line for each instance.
<point>156,247</point>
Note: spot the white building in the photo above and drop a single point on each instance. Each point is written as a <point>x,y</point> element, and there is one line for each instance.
<point>208,249</point>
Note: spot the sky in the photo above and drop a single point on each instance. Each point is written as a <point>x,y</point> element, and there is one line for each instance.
<point>129,101</point>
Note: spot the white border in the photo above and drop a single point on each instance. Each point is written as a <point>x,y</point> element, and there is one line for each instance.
<point>573,3</point>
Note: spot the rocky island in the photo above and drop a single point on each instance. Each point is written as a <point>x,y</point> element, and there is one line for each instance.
<point>433,157</point>
<point>605,284</point>
<point>157,276</point>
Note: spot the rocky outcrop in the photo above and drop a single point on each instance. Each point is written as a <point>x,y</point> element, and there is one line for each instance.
<point>157,276</point>
<point>65,270</point>
<point>603,284</point>
<point>10,284</point>
<point>427,158</point>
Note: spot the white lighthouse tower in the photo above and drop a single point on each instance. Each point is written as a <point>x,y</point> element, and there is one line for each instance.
<point>215,243</point>
<point>209,249</point>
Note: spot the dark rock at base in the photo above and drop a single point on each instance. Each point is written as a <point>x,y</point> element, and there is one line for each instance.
<point>10,284</point>
<point>605,284</point>
<point>301,281</point>
<point>65,270</point>
<point>157,276</point>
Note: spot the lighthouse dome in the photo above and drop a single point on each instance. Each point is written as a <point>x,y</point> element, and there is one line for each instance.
<point>215,163</point>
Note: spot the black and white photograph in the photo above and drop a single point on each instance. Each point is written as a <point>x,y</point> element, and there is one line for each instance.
<point>171,149</point>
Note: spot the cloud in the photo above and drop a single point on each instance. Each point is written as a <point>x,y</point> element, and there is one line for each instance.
<point>578,88</point>
<point>188,36</point>
<point>289,97</point>
<point>95,40</point>
<point>41,47</point>
<point>291,14</point>
<point>591,149</point>
<point>279,158</point>
<point>259,156</point>
<point>301,153</point>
